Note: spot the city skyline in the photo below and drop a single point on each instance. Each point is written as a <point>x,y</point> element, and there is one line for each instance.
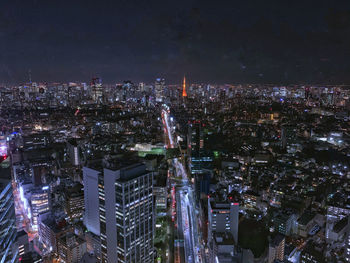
<point>188,131</point>
<point>174,173</point>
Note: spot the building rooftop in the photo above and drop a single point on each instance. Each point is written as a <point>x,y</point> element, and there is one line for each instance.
<point>132,171</point>
<point>71,240</point>
<point>339,226</point>
<point>223,238</point>
<point>306,217</point>
<point>276,241</point>
<point>113,163</point>
<point>51,223</point>
<point>5,177</point>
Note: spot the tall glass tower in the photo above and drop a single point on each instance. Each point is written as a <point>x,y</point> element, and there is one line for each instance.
<point>7,219</point>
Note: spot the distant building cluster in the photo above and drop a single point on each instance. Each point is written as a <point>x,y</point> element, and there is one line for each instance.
<point>174,173</point>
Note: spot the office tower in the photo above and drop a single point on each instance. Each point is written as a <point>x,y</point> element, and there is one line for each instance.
<point>195,145</point>
<point>222,223</point>
<point>126,214</point>
<point>202,184</point>
<point>97,90</point>
<point>91,215</point>
<point>75,202</point>
<point>71,248</point>
<point>199,158</point>
<point>73,152</point>
<point>223,217</point>
<point>285,222</point>
<point>39,203</point>
<point>276,248</point>
<point>51,229</point>
<point>8,218</point>
<point>159,87</point>
<point>128,90</point>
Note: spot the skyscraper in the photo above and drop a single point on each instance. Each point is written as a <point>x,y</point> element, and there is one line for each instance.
<point>74,198</point>
<point>97,90</point>
<point>8,218</point>
<point>73,151</point>
<point>159,87</point>
<point>126,214</point>
<point>40,204</point>
<point>198,157</point>
<point>91,215</point>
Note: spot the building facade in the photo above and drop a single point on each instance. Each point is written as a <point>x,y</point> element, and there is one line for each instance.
<point>8,221</point>
<point>223,217</point>
<point>91,214</point>
<point>126,214</point>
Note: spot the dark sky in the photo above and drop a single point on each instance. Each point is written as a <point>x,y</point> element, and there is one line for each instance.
<point>246,41</point>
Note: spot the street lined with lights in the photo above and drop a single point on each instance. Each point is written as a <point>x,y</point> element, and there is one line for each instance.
<point>187,222</point>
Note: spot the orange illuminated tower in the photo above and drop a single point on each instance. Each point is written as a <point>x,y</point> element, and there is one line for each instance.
<point>184,93</point>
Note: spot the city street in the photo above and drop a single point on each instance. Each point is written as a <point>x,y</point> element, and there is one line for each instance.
<point>187,222</point>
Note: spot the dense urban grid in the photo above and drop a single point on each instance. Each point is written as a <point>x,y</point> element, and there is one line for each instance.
<point>154,172</point>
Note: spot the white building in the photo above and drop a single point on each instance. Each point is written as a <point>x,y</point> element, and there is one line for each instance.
<point>91,215</point>
<point>126,214</point>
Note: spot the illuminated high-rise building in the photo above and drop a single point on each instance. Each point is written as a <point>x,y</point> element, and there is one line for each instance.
<point>223,217</point>
<point>199,158</point>
<point>222,221</point>
<point>97,90</point>
<point>73,152</point>
<point>8,219</point>
<point>91,215</point>
<point>159,87</point>
<point>75,202</point>
<point>126,214</point>
<point>40,203</point>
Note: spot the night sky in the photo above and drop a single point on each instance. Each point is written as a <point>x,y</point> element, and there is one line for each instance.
<point>233,41</point>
